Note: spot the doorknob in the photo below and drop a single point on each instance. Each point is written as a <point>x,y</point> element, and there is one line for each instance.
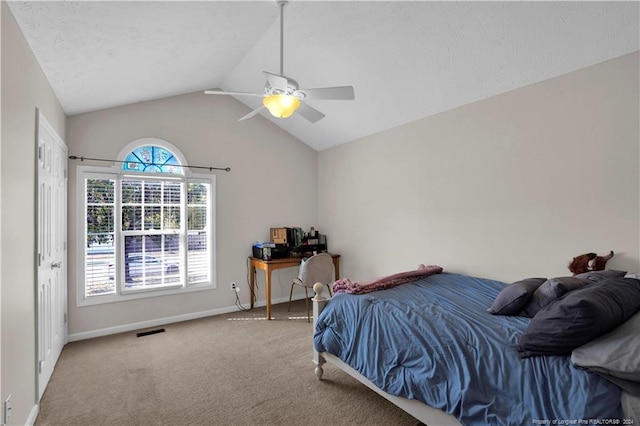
<point>56,265</point>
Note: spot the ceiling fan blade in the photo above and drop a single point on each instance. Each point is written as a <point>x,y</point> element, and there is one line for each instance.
<point>252,113</point>
<point>343,93</point>
<point>276,81</point>
<point>220,92</point>
<point>309,112</point>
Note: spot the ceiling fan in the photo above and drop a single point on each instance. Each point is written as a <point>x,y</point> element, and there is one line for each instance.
<point>282,97</point>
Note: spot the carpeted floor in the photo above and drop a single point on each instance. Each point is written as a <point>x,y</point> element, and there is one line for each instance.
<point>233,369</point>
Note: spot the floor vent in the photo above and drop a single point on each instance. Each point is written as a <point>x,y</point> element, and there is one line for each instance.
<point>150,332</point>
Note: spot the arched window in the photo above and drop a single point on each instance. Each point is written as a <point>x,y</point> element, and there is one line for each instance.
<point>149,225</point>
<point>152,159</point>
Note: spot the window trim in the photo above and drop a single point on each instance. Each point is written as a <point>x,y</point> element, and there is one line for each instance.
<point>116,173</point>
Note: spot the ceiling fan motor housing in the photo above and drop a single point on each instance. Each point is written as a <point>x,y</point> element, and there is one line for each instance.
<point>291,90</point>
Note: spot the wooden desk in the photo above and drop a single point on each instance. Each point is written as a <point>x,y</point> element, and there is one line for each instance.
<point>271,265</point>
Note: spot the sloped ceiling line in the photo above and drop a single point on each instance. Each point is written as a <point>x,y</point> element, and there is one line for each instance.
<point>406,60</point>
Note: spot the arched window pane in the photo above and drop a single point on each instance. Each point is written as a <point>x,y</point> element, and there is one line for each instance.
<point>149,227</point>
<point>152,159</point>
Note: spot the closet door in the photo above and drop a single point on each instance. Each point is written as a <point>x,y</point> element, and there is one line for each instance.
<point>51,206</point>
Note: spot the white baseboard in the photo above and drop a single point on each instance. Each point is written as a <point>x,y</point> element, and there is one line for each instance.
<point>33,415</point>
<point>167,320</point>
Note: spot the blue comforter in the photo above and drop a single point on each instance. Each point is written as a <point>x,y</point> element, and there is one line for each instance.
<point>433,340</point>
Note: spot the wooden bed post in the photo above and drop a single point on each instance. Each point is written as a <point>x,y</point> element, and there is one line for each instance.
<point>319,302</point>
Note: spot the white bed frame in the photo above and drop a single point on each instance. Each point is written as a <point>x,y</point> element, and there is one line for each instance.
<point>426,414</point>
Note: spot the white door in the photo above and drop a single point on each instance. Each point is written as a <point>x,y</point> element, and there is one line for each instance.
<point>51,208</point>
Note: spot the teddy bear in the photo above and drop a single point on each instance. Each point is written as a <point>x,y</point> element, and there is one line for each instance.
<point>589,262</point>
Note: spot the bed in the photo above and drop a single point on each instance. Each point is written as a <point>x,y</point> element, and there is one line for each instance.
<point>431,347</point>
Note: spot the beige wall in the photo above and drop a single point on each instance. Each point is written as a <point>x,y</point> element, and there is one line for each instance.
<point>24,88</point>
<point>272,183</point>
<point>509,187</point>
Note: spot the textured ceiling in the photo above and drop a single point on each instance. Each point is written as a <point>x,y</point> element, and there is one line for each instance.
<point>406,60</point>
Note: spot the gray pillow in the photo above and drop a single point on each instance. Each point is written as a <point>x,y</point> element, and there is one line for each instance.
<point>595,276</point>
<point>614,355</point>
<point>514,297</point>
<point>580,316</point>
<point>630,407</point>
<point>550,291</point>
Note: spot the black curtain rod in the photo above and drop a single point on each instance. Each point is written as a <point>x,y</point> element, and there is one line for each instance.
<point>74,157</point>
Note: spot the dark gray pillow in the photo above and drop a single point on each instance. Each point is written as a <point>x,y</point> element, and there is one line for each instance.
<point>572,283</point>
<point>514,297</point>
<point>550,291</point>
<point>595,276</point>
<point>580,316</point>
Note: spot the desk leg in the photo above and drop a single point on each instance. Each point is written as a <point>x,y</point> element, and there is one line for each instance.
<point>267,279</point>
<point>252,284</point>
<point>336,268</point>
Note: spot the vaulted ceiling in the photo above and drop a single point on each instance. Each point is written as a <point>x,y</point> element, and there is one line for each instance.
<point>406,60</point>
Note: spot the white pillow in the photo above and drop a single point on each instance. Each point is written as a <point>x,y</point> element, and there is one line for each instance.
<point>635,275</point>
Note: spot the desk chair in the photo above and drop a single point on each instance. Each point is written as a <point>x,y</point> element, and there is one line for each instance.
<point>316,269</point>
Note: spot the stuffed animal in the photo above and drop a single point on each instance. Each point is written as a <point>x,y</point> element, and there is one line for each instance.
<point>589,262</point>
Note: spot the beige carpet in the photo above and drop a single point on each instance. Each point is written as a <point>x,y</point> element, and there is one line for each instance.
<point>233,369</point>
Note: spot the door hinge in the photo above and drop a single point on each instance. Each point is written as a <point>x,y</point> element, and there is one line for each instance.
<point>65,317</point>
<point>40,364</point>
<point>39,259</point>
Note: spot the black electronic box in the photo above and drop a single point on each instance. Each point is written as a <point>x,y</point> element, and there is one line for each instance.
<point>269,251</point>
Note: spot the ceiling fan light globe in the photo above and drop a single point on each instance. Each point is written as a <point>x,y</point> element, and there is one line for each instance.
<point>281,106</point>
